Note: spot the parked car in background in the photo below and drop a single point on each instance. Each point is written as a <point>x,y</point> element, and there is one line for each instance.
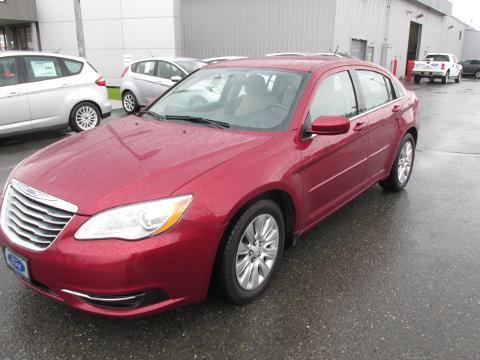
<point>145,80</point>
<point>471,67</point>
<point>307,54</point>
<point>41,90</point>
<point>222,58</point>
<point>154,205</point>
<point>438,66</point>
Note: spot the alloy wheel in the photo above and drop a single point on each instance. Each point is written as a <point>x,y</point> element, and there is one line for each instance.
<point>257,252</point>
<point>405,162</point>
<point>129,102</point>
<point>86,118</point>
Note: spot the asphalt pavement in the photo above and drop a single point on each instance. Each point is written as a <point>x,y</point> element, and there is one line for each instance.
<point>390,276</point>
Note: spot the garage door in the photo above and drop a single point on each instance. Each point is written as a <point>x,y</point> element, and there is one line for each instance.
<point>358,49</point>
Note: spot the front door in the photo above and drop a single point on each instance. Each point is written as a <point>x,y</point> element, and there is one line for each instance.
<point>334,167</point>
<point>14,110</point>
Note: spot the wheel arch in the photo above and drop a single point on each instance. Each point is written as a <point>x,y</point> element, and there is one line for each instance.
<point>82,102</point>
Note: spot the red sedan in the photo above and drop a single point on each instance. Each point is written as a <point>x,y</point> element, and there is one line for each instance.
<point>213,180</point>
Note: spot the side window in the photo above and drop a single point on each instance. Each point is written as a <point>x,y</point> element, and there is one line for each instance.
<point>8,71</point>
<point>374,89</point>
<point>73,67</point>
<point>144,68</point>
<point>475,62</point>
<point>42,68</point>
<point>335,97</point>
<point>166,70</point>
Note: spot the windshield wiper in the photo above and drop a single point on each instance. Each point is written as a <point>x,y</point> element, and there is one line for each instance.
<point>151,113</point>
<point>199,120</point>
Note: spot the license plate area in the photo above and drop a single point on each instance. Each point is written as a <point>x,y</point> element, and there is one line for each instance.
<point>18,264</point>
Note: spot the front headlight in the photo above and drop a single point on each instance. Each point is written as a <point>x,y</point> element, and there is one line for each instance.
<point>136,221</point>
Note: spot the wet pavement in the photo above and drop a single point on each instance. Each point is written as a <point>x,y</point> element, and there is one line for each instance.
<point>389,276</point>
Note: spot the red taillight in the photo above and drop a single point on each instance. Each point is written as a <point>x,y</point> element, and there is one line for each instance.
<point>101,81</point>
<point>443,66</point>
<point>124,71</point>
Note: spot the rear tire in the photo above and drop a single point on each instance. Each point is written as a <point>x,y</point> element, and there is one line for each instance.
<point>84,116</point>
<point>459,78</point>
<point>402,166</point>
<point>129,102</point>
<point>477,75</point>
<point>446,77</point>
<point>251,250</point>
<point>417,79</point>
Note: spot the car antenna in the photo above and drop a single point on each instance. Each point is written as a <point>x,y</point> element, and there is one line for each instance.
<point>60,48</point>
<point>336,50</point>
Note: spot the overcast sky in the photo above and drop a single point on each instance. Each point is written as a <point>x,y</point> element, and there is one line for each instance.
<point>468,11</point>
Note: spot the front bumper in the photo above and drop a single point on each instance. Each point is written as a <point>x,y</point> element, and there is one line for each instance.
<point>171,269</point>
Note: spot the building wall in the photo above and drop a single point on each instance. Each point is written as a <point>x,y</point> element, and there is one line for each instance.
<point>112,29</point>
<point>471,47</point>
<point>256,27</point>
<point>354,20</point>
<point>18,10</point>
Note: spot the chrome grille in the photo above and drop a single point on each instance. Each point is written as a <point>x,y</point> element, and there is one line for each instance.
<point>33,219</point>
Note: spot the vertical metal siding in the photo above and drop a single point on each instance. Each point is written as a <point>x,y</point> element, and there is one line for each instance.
<point>24,10</point>
<point>255,27</point>
<point>366,19</point>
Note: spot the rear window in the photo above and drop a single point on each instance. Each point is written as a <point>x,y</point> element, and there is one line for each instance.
<point>437,58</point>
<point>73,67</point>
<point>374,88</point>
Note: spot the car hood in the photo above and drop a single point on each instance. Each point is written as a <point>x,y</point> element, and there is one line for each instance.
<point>129,161</point>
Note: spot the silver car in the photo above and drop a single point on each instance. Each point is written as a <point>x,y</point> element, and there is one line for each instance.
<point>145,80</point>
<point>41,90</point>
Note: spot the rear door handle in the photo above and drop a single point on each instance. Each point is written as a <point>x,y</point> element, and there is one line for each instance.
<point>13,93</point>
<point>360,126</point>
<point>397,108</point>
<point>65,85</point>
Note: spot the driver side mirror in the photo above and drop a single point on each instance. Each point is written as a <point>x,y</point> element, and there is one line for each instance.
<point>330,125</point>
<point>176,78</point>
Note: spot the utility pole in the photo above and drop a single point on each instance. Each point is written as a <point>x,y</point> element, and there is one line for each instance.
<point>79,25</point>
<point>383,59</point>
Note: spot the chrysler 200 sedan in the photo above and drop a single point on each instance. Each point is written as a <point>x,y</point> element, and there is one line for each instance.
<point>141,215</point>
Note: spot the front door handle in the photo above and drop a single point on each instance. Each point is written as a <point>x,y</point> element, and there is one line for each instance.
<point>397,108</point>
<point>65,85</point>
<point>13,93</point>
<point>360,126</point>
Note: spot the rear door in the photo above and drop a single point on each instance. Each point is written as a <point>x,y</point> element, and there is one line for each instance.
<point>334,166</point>
<point>14,109</point>
<point>145,80</point>
<point>48,91</point>
<point>383,112</point>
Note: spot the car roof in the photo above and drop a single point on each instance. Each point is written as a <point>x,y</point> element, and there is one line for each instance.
<point>165,58</point>
<point>295,63</point>
<point>38,53</point>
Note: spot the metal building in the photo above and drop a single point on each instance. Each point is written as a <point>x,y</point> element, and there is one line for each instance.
<point>18,25</point>
<point>375,30</point>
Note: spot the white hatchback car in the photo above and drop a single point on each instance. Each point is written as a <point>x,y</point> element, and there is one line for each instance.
<point>145,80</point>
<point>41,90</point>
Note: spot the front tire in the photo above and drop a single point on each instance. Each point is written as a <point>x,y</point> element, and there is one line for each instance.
<point>477,75</point>
<point>129,102</point>
<point>402,166</point>
<point>251,252</point>
<point>84,116</point>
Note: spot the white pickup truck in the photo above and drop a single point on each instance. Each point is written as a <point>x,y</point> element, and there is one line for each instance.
<point>438,66</point>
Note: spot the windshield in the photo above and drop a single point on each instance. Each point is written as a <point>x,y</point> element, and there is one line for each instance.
<point>250,99</point>
<point>191,65</point>
<point>438,58</point>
